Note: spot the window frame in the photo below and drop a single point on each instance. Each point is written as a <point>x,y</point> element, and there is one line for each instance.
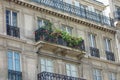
<point>46,65</point>
<point>11,17</point>
<point>97,76</point>
<point>70,70</point>
<point>110,75</point>
<point>107,44</point>
<point>13,60</point>
<point>92,40</point>
<point>67,29</point>
<point>38,19</point>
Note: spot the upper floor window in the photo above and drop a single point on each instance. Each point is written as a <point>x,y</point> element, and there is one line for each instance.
<point>67,29</point>
<point>92,40</point>
<point>46,65</point>
<point>11,18</point>
<point>97,74</point>
<point>68,1</point>
<point>107,44</point>
<point>112,76</point>
<point>40,23</point>
<point>71,70</point>
<point>76,3</point>
<point>14,61</point>
<point>14,66</point>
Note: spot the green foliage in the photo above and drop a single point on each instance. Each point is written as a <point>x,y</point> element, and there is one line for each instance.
<point>72,41</point>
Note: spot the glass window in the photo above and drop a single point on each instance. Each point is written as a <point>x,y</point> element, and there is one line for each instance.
<point>68,1</point>
<point>71,70</point>
<point>11,18</point>
<point>112,76</point>
<point>46,65</point>
<point>107,44</point>
<point>13,60</point>
<point>40,23</point>
<point>77,3</point>
<point>67,29</point>
<point>92,40</point>
<point>97,74</point>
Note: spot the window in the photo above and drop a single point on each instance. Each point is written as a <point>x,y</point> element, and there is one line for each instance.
<point>11,18</point>
<point>112,76</point>
<point>46,65</point>
<point>68,1</point>
<point>83,10</point>
<point>14,69</point>
<point>98,14</point>
<point>107,44</point>
<point>14,61</point>
<point>40,23</point>
<point>67,29</point>
<point>92,40</point>
<point>97,74</point>
<point>77,3</point>
<point>71,70</point>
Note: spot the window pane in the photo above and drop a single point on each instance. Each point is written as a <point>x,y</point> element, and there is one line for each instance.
<point>74,74</point>
<point>97,74</point>
<point>17,65</point>
<point>92,40</point>
<point>10,60</point>
<point>17,61</point>
<point>40,23</point>
<point>63,28</point>
<point>49,63</point>
<point>73,68</point>
<point>8,17</point>
<point>46,65</point>
<point>69,30</point>
<point>67,67</point>
<point>68,73</point>
<point>14,19</point>
<point>42,61</point>
<point>50,69</point>
<point>43,68</point>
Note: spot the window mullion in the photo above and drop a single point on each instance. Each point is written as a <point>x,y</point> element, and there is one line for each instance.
<point>107,44</point>
<point>11,21</point>
<point>13,60</point>
<point>91,40</point>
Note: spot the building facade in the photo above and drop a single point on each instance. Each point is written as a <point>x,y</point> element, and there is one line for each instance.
<point>57,40</point>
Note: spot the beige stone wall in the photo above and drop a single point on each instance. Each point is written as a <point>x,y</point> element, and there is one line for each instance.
<point>27,22</point>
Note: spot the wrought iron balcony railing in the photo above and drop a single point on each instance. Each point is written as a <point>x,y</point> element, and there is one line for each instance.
<point>110,56</point>
<point>78,11</point>
<point>14,75</point>
<point>45,35</point>
<point>54,76</point>
<point>13,31</point>
<point>94,52</point>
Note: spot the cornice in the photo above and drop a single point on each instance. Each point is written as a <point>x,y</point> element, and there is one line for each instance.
<point>64,16</point>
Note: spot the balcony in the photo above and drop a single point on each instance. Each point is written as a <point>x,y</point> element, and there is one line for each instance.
<point>110,56</point>
<point>14,75</point>
<point>45,35</point>
<point>94,52</point>
<point>53,42</point>
<point>54,76</point>
<point>78,11</point>
<point>13,31</point>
